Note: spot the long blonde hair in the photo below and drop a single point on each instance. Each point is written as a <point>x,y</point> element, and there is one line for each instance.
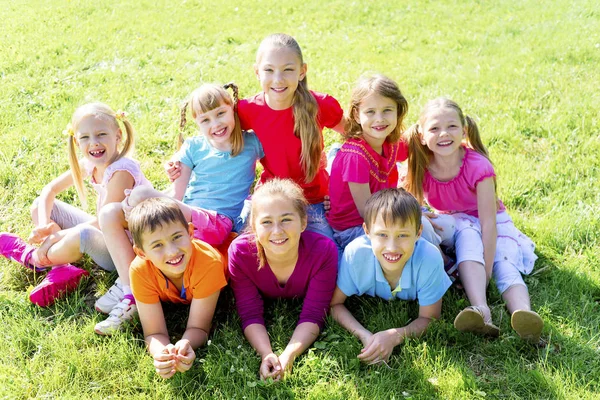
<point>97,110</point>
<point>419,154</point>
<point>285,188</point>
<point>305,109</point>
<point>385,87</point>
<point>206,98</point>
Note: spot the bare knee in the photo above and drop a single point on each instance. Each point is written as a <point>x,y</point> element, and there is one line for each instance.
<point>34,210</point>
<point>141,193</point>
<point>110,215</point>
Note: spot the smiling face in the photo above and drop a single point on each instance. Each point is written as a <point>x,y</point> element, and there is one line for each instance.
<point>279,69</point>
<point>278,226</point>
<point>443,131</point>
<point>217,125</point>
<point>168,247</point>
<point>97,137</point>
<point>377,116</point>
<point>393,243</point>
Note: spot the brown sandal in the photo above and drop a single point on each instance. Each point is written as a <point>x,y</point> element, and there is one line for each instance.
<point>471,320</point>
<point>528,325</point>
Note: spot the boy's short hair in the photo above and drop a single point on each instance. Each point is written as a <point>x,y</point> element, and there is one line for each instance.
<point>152,213</point>
<point>394,206</point>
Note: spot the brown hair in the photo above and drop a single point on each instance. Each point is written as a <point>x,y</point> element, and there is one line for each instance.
<point>97,110</point>
<point>305,109</point>
<point>285,188</point>
<point>206,98</point>
<point>151,213</point>
<point>395,205</point>
<point>419,154</point>
<point>383,86</point>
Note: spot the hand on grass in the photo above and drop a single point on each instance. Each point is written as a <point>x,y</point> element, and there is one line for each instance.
<point>379,346</point>
<point>184,355</point>
<point>270,367</point>
<point>164,362</point>
<point>173,169</point>
<point>286,361</point>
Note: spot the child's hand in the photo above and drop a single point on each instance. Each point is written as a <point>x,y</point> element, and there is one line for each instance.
<point>173,169</point>
<point>431,216</point>
<point>286,363</point>
<point>40,256</point>
<point>380,346</point>
<point>164,362</point>
<point>326,204</point>
<point>270,367</point>
<point>184,356</point>
<point>40,233</point>
<point>125,205</point>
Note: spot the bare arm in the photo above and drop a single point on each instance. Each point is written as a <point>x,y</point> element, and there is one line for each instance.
<point>304,335</point>
<point>258,337</point>
<point>486,207</point>
<point>180,184</point>
<point>200,319</point>
<point>344,317</point>
<point>339,128</point>
<point>48,194</point>
<point>360,194</point>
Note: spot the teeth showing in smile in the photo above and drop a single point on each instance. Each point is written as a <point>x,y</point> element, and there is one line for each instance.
<point>96,153</point>
<point>176,261</point>
<point>278,90</point>
<point>220,132</point>
<point>445,143</point>
<point>279,241</point>
<point>380,128</point>
<point>392,257</point>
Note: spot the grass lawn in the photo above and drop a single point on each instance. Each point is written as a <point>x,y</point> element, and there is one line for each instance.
<point>526,70</point>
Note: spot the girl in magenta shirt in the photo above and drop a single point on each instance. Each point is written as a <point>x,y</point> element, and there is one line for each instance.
<point>278,260</point>
<point>366,162</point>
<point>449,167</point>
<point>288,120</point>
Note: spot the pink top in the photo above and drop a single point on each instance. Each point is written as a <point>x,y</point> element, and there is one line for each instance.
<point>459,195</point>
<point>122,164</point>
<point>357,162</point>
<point>275,130</point>
<point>313,279</point>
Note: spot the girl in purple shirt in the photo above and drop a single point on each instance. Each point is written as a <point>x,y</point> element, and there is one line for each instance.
<point>278,260</point>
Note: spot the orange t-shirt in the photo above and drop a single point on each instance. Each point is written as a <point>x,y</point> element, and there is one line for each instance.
<point>203,276</point>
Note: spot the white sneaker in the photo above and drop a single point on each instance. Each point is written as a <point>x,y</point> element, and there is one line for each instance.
<point>110,299</point>
<point>124,311</point>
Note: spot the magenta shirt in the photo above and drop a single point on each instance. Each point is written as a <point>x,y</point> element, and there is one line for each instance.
<point>313,279</point>
<point>459,194</point>
<point>357,162</point>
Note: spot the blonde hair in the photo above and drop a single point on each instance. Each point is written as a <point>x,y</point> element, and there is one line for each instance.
<point>305,109</point>
<point>206,98</point>
<point>285,188</point>
<point>419,154</point>
<point>97,110</point>
<point>383,86</point>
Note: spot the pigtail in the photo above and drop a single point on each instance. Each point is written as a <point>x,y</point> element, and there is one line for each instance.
<point>129,143</point>
<point>182,121</point>
<point>305,109</point>
<point>418,159</point>
<point>237,137</point>
<point>75,169</point>
<point>474,139</point>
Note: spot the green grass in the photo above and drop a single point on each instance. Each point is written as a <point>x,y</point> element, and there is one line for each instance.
<point>528,72</point>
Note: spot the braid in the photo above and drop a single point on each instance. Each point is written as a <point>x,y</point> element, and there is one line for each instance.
<point>182,121</point>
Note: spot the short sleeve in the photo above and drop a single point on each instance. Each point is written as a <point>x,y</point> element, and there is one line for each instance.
<point>344,280</point>
<point>402,153</point>
<point>244,114</point>
<point>355,167</point>
<point>477,168</point>
<point>357,257</point>
<point>210,277</point>
<point>185,153</point>
<point>432,281</point>
<point>142,285</point>
<point>330,111</point>
<point>126,165</point>
<point>257,148</point>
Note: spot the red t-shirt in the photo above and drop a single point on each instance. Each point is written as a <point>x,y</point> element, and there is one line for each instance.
<point>275,130</point>
<point>357,162</point>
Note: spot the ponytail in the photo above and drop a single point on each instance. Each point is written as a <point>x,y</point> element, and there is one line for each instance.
<point>237,138</point>
<point>75,169</point>
<point>418,159</point>
<point>182,121</point>
<point>305,109</point>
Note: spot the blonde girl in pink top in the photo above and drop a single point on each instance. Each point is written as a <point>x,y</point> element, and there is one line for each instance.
<point>449,168</point>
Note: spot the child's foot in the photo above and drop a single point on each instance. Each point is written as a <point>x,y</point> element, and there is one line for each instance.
<point>528,324</point>
<point>60,280</point>
<point>124,311</point>
<point>16,249</point>
<point>110,299</point>
<point>471,319</point>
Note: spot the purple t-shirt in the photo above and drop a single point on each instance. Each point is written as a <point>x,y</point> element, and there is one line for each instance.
<point>313,279</point>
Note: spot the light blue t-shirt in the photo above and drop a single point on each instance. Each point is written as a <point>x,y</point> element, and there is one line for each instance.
<point>423,277</point>
<point>219,182</point>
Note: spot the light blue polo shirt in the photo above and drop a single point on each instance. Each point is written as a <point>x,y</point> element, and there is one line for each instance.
<point>423,277</point>
<point>219,181</point>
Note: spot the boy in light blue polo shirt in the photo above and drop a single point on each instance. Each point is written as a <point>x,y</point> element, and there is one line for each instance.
<point>390,261</point>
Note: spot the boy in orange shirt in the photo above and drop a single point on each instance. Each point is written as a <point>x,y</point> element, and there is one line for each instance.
<point>172,267</point>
